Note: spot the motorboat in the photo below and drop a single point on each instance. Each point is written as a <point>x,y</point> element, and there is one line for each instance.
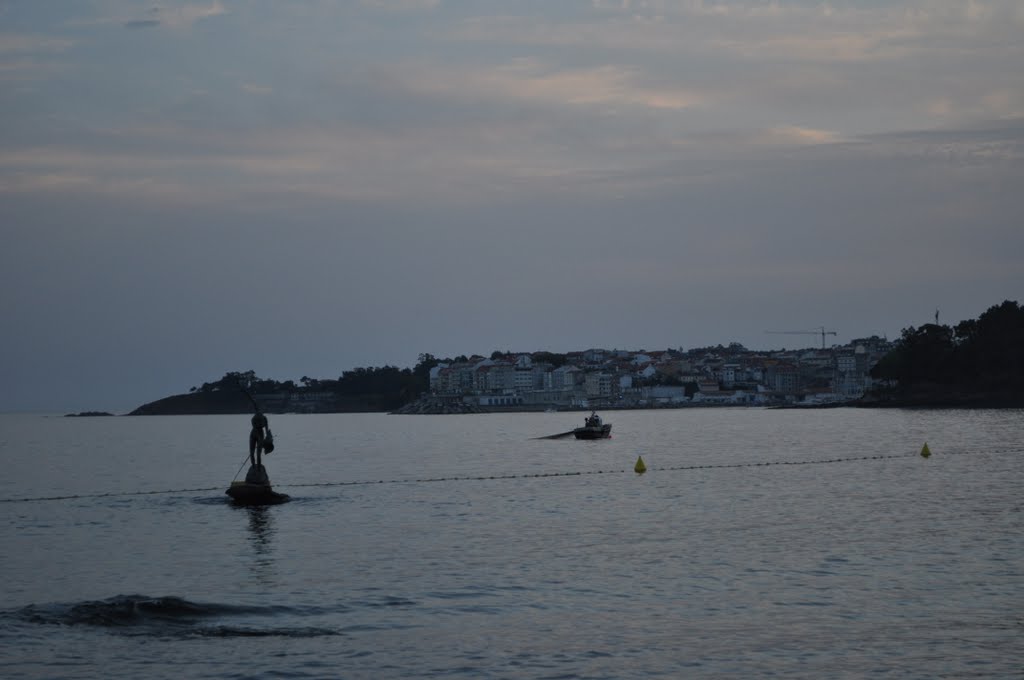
<point>593,428</point>
<point>593,432</point>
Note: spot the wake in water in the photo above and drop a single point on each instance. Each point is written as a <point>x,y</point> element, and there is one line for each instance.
<point>161,617</point>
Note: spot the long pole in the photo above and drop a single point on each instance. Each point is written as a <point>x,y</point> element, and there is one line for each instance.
<point>256,407</point>
<point>252,399</point>
<point>241,466</point>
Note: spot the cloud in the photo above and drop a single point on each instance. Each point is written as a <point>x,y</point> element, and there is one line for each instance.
<point>997,144</point>
<point>142,23</point>
<point>796,135</point>
<point>883,65</point>
<point>189,14</point>
<point>24,42</point>
<point>156,176</point>
<point>472,163</point>
<point>21,70</point>
<point>401,5</point>
<point>1003,103</point>
<point>23,182</point>
<point>176,15</point>
<point>27,56</point>
<point>803,33</point>
<point>531,80</point>
<point>257,89</point>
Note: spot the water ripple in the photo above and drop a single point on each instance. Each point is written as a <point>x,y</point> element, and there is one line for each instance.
<point>162,616</point>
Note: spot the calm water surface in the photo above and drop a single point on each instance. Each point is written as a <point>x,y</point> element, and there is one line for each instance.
<point>879,563</point>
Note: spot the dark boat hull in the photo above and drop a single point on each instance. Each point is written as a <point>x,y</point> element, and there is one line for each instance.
<point>593,431</point>
<point>244,493</point>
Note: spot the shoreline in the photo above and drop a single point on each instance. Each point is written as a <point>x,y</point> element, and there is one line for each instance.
<point>908,404</point>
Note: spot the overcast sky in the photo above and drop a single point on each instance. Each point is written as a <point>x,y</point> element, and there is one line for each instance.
<point>303,188</point>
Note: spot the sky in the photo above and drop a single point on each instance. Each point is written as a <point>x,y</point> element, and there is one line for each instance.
<point>304,188</point>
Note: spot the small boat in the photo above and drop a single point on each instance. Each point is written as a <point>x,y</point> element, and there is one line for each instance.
<point>593,428</point>
<point>255,490</point>
<point>593,432</point>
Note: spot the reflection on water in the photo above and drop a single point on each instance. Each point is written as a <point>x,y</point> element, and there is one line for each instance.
<point>261,535</point>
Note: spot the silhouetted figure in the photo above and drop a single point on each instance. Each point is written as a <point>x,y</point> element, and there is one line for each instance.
<point>594,420</point>
<point>257,436</point>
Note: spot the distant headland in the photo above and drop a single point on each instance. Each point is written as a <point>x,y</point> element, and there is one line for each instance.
<point>978,363</point>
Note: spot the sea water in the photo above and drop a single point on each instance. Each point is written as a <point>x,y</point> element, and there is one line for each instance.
<point>759,543</point>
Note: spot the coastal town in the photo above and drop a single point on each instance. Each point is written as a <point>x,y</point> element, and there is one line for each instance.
<point>602,378</point>
<point>729,375</point>
<point>974,364</point>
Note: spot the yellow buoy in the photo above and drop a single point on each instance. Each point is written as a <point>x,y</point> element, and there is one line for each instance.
<point>639,468</point>
<point>925,451</point>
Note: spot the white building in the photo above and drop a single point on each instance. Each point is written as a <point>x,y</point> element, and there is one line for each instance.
<point>598,385</point>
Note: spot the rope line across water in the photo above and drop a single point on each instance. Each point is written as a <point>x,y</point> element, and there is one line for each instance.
<point>538,475</point>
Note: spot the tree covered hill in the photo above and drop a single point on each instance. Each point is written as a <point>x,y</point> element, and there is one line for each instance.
<point>359,390</point>
<point>216,402</point>
<point>976,362</point>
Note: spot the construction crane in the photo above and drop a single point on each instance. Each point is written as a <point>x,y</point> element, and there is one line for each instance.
<point>819,331</point>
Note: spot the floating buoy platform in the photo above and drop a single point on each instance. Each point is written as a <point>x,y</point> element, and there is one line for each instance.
<point>256,489</point>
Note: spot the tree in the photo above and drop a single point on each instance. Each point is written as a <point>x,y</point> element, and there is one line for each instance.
<point>921,355</point>
<point>977,355</point>
<point>990,351</point>
<point>556,360</point>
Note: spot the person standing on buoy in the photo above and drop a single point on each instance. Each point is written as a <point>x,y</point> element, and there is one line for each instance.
<point>257,437</point>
